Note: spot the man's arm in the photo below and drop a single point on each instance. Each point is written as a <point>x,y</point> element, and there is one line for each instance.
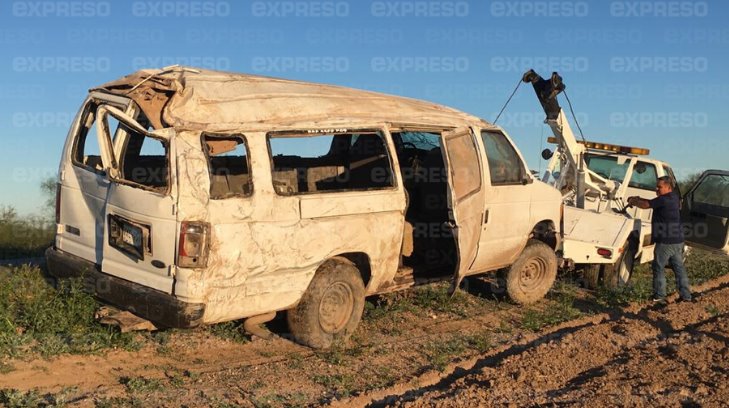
<point>639,202</point>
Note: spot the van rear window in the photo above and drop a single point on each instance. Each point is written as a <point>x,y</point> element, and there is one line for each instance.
<point>144,161</point>
<point>329,162</point>
<point>230,174</point>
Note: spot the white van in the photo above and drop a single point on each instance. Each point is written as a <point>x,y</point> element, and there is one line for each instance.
<point>191,197</point>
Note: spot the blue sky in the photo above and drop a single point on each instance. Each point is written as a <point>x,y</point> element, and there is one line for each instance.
<point>646,73</point>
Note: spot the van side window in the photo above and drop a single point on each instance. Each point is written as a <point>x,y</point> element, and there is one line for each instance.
<point>144,161</point>
<point>505,167</point>
<point>643,176</point>
<point>467,173</point>
<point>86,151</point>
<point>329,162</point>
<point>228,163</point>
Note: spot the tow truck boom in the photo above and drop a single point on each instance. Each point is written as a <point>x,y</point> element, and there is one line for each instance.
<point>574,176</point>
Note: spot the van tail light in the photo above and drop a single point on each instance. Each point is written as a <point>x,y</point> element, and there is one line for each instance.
<point>58,203</point>
<point>604,252</point>
<point>193,245</point>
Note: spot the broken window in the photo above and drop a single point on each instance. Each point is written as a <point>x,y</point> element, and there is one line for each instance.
<point>86,152</point>
<point>505,167</point>
<point>229,167</point>
<point>144,161</point>
<point>327,162</point>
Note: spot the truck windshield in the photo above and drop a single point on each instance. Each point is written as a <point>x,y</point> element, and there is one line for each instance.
<point>607,166</point>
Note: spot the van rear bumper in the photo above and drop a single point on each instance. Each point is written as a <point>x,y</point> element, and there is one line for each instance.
<point>158,307</point>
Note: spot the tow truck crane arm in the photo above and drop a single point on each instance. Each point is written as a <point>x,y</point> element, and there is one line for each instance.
<point>574,174</point>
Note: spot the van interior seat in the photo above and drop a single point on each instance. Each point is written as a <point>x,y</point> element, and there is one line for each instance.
<point>229,176</point>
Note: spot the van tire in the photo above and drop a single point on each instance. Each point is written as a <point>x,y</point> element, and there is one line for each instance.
<point>532,275</point>
<point>331,308</point>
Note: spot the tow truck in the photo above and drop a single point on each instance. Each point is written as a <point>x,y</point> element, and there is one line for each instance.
<point>603,236</point>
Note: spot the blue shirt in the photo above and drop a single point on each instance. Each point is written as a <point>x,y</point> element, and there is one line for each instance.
<point>666,219</point>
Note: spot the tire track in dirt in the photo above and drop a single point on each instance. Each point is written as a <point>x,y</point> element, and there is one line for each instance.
<point>102,372</point>
<point>551,366</point>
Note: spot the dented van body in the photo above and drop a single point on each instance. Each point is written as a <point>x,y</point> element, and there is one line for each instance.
<point>216,196</point>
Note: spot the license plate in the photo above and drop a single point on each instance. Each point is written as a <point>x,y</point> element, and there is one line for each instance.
<point>129,237</point>
<point>132,236</point>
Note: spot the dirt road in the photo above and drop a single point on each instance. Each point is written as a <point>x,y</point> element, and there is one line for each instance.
<point>475,351</point>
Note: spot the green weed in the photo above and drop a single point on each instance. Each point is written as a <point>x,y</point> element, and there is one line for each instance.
<point>440,352</point>
<point>342,385</point>
<point>560,309</point>
<point>140,384</point>
<point>13,398</point>
<point>35,316</point>
<point>713,310</point>
<point>232,331</point>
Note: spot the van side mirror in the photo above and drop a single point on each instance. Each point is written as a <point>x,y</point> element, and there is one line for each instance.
<point>547,154</point>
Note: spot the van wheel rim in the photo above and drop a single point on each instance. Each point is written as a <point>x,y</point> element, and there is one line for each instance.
<point>336,307</point>
<point>532,274</point>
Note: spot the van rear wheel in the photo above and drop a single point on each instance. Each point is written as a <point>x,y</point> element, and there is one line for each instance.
<point>331,308</point>
<point>533,273</point>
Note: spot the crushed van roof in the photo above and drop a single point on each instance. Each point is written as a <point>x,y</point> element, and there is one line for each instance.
<point>193,98</point>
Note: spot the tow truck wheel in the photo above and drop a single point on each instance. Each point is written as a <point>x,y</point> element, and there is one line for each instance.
<point>618,274</point>
<point>591,276</point>
<point>331,307</point>
<point>533,273</point>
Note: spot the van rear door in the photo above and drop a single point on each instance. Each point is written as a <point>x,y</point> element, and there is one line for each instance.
<point>705,212</point>
<point>84,183</point>
<point>140,215</point>
<point>465,196</point>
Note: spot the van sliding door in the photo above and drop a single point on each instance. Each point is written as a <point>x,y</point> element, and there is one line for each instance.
<point>465,196</point>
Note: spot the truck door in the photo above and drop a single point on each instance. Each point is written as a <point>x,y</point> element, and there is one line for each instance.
<point>140,217</point>
<point>84,184</point>
<point>705,212</point>
<point>465,197</point>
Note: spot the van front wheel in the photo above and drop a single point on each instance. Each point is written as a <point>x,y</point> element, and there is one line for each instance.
<point>331,307</point>
<point>533,273</point>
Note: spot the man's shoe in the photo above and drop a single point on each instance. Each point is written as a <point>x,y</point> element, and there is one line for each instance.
<point>660,302</point>
<point>682,300</point>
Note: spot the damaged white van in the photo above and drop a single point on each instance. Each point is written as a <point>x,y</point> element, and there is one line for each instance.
<point>191,197</point>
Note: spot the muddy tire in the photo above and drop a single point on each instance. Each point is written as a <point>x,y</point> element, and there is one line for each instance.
<point>618,274</point>
<point>591,276</point>
<point>331,307</point>
<point>533,273</point>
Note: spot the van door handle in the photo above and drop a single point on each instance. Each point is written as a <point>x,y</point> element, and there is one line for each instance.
<point>486,216</point>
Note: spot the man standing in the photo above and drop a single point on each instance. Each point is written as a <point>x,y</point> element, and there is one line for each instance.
<point>668,237</point>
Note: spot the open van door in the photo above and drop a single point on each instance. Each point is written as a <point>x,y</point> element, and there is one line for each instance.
<point>140,215</point>
<point>84,184</point>
<point>705,212</point>
<point>465,197</point>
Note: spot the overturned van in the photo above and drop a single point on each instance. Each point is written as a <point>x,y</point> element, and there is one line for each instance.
<point>191,197</point>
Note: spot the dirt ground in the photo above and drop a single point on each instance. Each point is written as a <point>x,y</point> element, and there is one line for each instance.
<point>676,355</point>
<point>477,351</point>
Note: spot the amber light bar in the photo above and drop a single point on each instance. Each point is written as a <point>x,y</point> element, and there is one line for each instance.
<point>609,147</point>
